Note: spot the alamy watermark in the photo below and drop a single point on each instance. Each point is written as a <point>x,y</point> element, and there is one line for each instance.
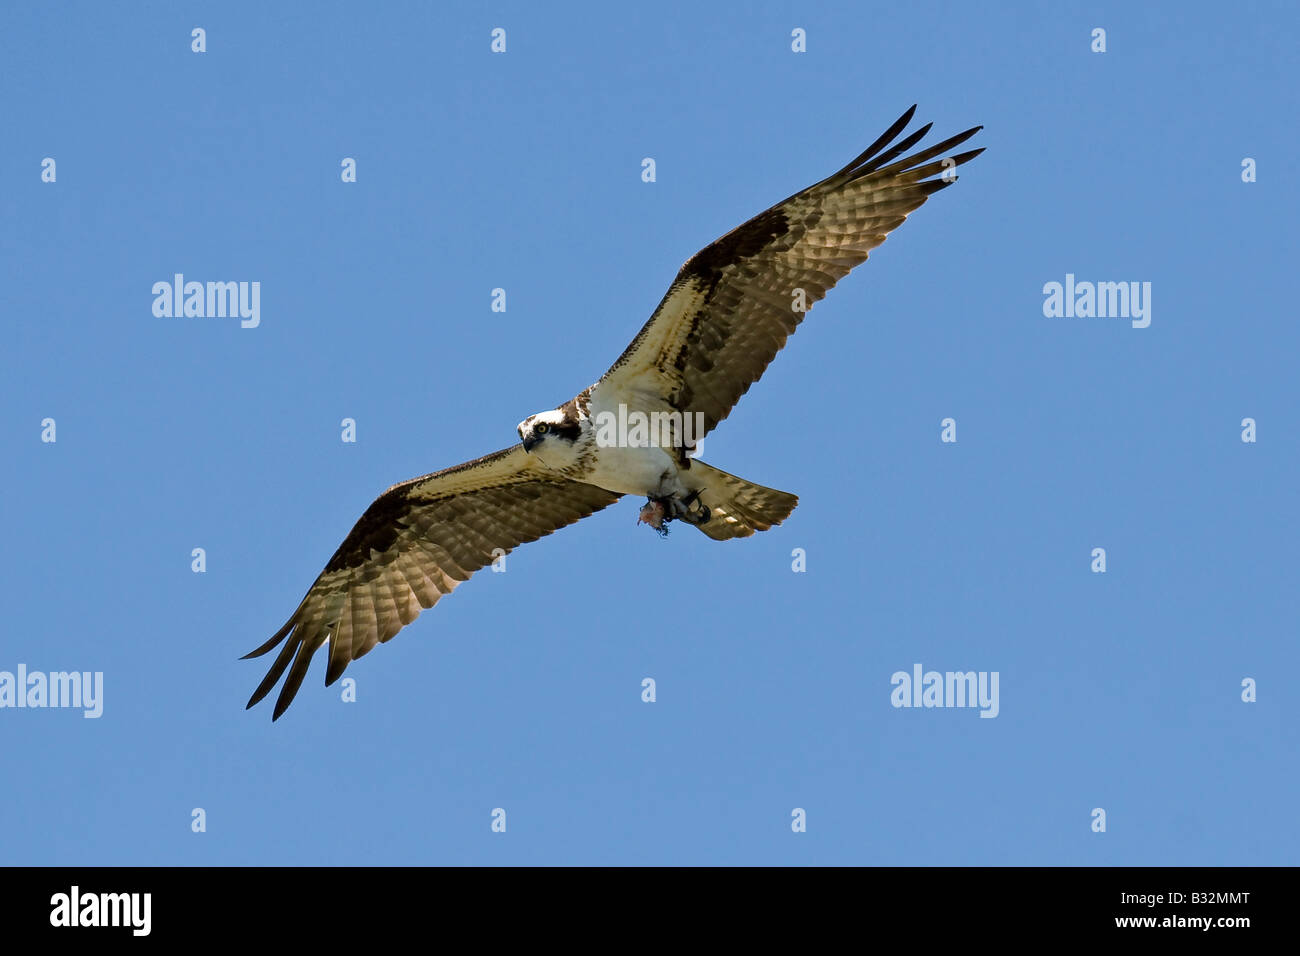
<point>1102,300</point>
<point>636,429</point>
<point>213,300</point>
<point>948,689</point>
<point>75,908</point>
<point>79,689</point>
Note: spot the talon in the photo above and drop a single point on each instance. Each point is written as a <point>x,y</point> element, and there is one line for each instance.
<point>658,513</point>
<point>699,515</point>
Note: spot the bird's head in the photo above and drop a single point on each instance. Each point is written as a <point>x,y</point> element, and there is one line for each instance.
<point>548,430</point>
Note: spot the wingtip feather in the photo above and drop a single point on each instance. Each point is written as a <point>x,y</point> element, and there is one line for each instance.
<point>276,638</point>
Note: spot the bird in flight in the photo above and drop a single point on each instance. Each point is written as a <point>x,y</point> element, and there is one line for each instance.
<point>634,432</point>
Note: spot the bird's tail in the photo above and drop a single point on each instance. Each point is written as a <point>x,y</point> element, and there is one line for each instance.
<point>737,508</point>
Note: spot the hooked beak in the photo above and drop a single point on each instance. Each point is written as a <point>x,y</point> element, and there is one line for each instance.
<point>531,442</point>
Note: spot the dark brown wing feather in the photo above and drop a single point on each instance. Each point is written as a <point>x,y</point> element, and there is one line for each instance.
<point>414,544</point>
<point>730,309</point>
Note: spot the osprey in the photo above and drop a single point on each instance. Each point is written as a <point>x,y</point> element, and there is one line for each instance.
<point>724,318</point>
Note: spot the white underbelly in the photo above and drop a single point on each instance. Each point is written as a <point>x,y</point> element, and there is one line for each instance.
<point>636,471</point>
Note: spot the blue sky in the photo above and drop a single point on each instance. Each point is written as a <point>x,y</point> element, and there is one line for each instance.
<point>1119,690</point>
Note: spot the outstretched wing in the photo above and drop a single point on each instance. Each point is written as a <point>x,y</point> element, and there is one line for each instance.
<point>414,544</point>
<point>733,304</point>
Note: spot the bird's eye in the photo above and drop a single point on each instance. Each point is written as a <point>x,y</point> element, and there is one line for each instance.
<point>541,428</point>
